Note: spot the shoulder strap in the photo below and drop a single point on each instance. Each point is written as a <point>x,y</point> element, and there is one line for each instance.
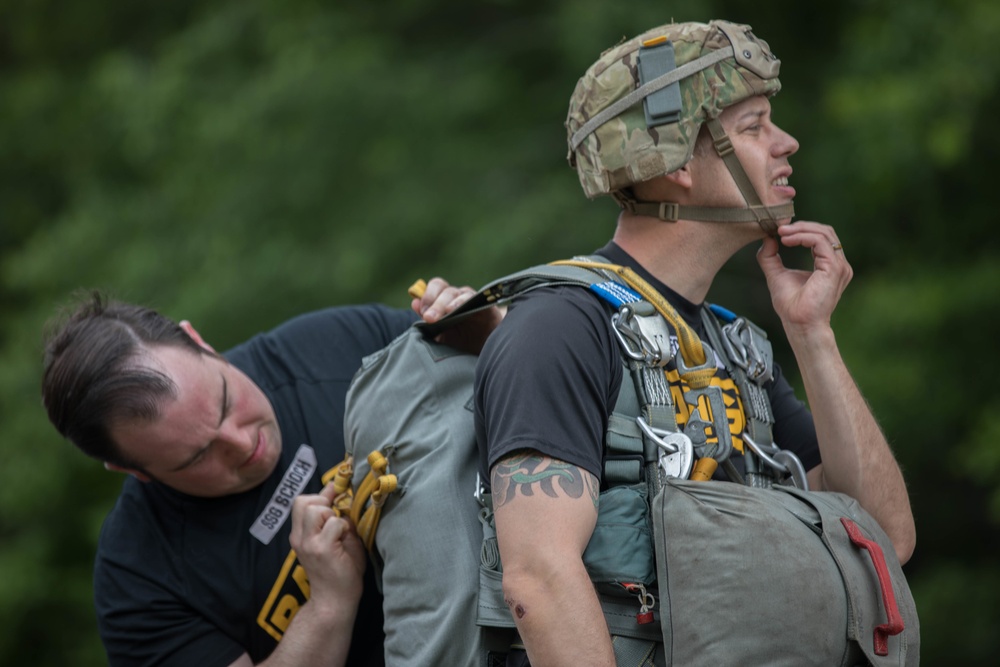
<point>503,290</point>
<point>750,362</point>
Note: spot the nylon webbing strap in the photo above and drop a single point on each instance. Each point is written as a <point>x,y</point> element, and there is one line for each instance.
<point>690,344</point>
<point>625,454</point>
<point>724,147</point>
<point>622,471</point>
<point>756,404</point>
<point>640,93</point>
<point>671,212</point>
<point>503,289</point>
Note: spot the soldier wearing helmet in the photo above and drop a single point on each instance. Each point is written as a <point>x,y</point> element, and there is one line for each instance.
<point>676,125</point>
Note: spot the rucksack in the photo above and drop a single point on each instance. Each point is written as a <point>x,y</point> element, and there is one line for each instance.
<point>808,598</point>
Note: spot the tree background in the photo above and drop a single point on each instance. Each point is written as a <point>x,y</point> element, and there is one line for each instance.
<point>236,163</point>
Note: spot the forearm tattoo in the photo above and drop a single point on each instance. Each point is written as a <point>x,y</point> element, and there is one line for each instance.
<point>526,473</point>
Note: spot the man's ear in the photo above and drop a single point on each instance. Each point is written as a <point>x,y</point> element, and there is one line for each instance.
<point>681,177</point>
<point>195,336</point>
<point>141,476</point>
<point>669,187</point>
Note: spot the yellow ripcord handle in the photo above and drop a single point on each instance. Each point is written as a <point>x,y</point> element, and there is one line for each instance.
<point>690,344</point>
<point>417,289</point>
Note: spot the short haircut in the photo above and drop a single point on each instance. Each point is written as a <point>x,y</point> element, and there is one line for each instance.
<point>93,376</point>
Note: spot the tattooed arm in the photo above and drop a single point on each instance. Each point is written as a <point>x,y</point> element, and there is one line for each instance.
<point>546,511</point>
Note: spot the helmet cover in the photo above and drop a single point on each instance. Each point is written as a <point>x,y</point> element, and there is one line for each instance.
<point>624,151</point>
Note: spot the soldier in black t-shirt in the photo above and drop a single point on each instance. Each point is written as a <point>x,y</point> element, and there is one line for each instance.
<point>222,548</point>
<point>676,125</point>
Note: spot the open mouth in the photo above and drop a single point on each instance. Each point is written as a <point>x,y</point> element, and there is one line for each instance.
<point>781,182</point>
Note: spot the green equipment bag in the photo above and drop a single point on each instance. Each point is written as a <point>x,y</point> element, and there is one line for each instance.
<point>413,401</point>
<point>777,577</point>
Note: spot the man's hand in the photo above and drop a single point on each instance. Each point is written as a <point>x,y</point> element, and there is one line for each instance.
<point>440,298</point>
<point>805,299</point>
<point>856,457</point>
<point>331,553</point>
<point>334,560</point>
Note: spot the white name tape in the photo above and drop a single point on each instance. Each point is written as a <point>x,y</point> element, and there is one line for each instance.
<point>279,508</point>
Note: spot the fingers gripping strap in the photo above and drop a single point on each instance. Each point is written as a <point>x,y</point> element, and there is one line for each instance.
<point>643,91</point>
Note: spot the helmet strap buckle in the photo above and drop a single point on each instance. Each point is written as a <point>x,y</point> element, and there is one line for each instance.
<point>669,211</point>
<point>723,145</point>
<point>624,199</point>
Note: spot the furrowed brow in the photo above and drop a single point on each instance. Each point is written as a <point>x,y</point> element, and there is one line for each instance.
<point>222,416</point>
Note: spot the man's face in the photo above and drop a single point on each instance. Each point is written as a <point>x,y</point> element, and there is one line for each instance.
<point>219,436</point>
<point>762,147</point>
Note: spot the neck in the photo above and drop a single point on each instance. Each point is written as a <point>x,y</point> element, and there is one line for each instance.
<point>684,255</point>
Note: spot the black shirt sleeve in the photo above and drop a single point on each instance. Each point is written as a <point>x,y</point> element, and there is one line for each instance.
<point>547,378</point>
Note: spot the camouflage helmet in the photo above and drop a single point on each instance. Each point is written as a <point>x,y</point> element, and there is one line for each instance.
<point>611,143</point>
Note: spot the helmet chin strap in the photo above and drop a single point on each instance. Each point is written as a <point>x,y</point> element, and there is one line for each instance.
<point>765,216</point>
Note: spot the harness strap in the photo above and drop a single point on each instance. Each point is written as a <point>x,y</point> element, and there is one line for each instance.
<point>756,403</point>
<point>701,369</point>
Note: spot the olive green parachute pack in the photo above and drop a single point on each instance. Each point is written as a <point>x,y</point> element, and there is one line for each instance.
<point>689,573</point>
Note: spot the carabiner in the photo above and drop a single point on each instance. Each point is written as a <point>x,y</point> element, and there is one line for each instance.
<point>782,460</point>
<point>676,455</point>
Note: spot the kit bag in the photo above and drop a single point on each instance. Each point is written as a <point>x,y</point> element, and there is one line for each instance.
<point>777,577</point>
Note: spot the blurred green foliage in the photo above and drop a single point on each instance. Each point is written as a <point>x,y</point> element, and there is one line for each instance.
<point>235,163</point>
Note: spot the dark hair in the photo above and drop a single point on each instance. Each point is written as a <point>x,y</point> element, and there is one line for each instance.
<point>93,375</point>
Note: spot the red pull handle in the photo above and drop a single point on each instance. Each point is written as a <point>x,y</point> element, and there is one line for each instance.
<point>894,624</point>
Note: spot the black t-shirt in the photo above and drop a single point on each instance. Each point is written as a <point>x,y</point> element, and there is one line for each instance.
<point>180,580</point>
<point>549,376</point>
